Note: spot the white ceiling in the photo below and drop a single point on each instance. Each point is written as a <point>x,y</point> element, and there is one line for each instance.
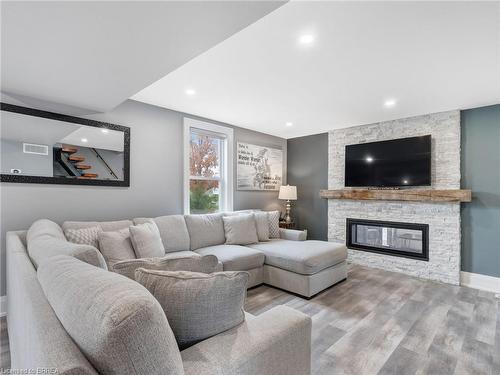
<point>95,55</point>
<point>39,130</point>
<point>96,138</point>
<point>428,56</point>
<point>30,129</point>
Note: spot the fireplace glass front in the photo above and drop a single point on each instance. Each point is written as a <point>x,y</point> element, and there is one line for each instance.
<point>392,238</point>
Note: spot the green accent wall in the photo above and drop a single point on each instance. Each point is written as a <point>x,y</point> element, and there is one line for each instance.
<point>480,166</point>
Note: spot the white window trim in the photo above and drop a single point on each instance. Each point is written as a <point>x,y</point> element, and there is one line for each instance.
<point>227,160</point>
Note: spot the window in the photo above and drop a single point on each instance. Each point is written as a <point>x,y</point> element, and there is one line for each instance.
<point>208,182</point>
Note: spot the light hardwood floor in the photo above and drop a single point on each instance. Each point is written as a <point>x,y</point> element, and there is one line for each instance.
<point>4,345</point>
<point>379,322</point>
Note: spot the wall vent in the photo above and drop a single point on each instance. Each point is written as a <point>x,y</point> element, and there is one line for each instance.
<point>29,148</point>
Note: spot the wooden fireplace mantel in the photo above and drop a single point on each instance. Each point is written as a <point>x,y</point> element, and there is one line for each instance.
<point>415,195</point>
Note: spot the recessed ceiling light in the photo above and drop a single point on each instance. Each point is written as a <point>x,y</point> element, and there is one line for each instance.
<point>190,92</point>
<point>289,124</point>
<point>84,140</point>
<point>369,159</point>
<point>390,103</point>
<point>105,130</point>
<point>306,39</point>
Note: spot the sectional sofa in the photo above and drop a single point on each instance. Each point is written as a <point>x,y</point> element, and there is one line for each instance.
<point>55,327</point>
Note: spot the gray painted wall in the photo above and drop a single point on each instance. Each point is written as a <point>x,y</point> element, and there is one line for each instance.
<point>481,173</point>
<point>12,156</point>
<point>307,168</point>
<point>155,181</point>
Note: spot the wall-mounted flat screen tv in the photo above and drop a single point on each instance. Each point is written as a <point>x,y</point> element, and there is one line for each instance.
<point>394,163</point>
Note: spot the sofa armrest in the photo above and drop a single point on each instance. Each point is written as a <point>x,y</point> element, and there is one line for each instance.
<point>276,342</point>
<point>293,235</point>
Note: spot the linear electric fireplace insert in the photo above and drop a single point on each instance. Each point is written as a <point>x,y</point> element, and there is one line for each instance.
<point>407,240</point>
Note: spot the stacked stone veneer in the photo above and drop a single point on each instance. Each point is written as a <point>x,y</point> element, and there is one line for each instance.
<point>443,218</point>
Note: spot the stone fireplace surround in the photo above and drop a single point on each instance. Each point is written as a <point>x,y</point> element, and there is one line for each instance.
<point>443,218</point>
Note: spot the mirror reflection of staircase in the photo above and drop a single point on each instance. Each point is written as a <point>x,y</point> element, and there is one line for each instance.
<point>68,164</point>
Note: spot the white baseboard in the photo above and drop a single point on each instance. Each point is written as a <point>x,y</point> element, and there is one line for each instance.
<point>3,306</point>
<point>478,281</point>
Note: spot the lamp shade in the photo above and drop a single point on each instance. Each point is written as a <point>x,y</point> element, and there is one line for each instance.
<point>288,193</point>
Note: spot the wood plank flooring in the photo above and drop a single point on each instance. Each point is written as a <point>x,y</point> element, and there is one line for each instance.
<point>4,345</point>
<point>379,322</point>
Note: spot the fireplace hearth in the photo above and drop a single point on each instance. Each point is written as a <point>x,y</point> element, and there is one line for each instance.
<point>409,240</point>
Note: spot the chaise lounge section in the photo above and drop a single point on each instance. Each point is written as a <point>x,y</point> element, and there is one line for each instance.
<point>303,267</point>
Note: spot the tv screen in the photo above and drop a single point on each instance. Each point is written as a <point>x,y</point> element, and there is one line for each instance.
<point>394,163</point>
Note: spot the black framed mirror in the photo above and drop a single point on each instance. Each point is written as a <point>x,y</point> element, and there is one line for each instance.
<point>50,148</point>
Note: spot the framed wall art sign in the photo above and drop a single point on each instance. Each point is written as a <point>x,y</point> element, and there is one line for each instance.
<point>259,167</point>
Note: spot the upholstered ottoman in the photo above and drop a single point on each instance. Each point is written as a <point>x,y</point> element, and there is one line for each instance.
<point>303,267</point>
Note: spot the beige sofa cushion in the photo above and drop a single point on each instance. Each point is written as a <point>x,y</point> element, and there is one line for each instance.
<point>235,257</point>
<point>46,239</point>
<point>203,264</point>
<point>146,240</point>
<point>116,246</point>
<point>197,305</point>
<point>303,257</point>
<point>118,325</point>
<point>173,231</point>
<point>205,230</point>
<point>240,229</point>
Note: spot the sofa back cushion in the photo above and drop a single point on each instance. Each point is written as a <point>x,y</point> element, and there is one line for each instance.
<point>197,305</point>
<point>45,239</point>
<point>205,230</point>
<point>203,264</point>
<point>104,225</point>
<point>173,231</point>
<point>117,323</point>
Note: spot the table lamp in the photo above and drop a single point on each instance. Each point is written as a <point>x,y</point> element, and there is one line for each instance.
<point>288,193</point>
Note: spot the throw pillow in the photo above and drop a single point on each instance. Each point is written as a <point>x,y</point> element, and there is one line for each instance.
<point>173,232</point>
<point>240,229</point>
<point>146,240</point>
<point>274,224</point>
<point>197,305</point>
<point>116,246</point>
<point>262,222</point>
<point>84,236</point>
<point>202,264</point>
